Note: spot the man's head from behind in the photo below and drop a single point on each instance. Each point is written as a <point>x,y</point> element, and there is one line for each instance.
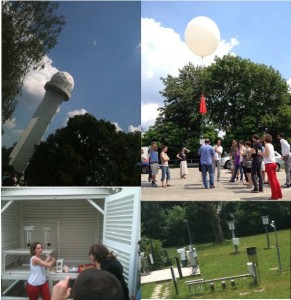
<point>94,284</point>
<point>255,138</point>
<point>280,136</point>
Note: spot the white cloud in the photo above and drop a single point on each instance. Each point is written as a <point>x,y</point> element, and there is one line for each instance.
<point>77,112</point>
<point>289,84</point>
<point>32,94</point>
<point>117,126</point>
<point>227,47</point>
<point>132,128</point>
<point>138,47</point>
<point>11,133</point>
<point>33,85</point>
<point>164,52</point>
<point>10,124</point>
<point>149,113</point>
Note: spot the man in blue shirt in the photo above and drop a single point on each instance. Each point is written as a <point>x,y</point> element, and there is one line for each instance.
<point>154,160</point>
<point>206,153</point>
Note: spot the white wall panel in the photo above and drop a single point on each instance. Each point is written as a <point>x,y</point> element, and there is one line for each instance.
<point>10,221</point>
<point>76,225</point>
<point>121,231</point>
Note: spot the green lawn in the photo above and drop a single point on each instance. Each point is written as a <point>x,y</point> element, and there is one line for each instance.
<point>217,261</point>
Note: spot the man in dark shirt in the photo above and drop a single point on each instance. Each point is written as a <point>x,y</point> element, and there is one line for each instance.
<point>256,164</point>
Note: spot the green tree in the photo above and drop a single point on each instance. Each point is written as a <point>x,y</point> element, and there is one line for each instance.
<point>208,220</point>
<point>167,134</point>
<point>29,31</point>
<point>213,210</point>
<point>153,220</point>
<point>155,248</point>
<point>167,221</point>
<point>179,122</point>
<point>7,170</point>
<point>199,225</point>
<point>176,226</point>
<point>86,152</point>
<point>242,98</point>
<point>174,136</point>
<point>248,216</point>
<point>177,218</point>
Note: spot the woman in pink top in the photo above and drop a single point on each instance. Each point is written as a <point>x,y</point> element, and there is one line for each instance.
<point>271,165</point>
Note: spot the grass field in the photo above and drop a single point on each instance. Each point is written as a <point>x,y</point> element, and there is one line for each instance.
<point>219,260</point>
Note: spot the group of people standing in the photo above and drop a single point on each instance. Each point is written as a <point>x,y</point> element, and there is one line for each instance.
<point>254,160</point>
<point>155,157</point>
<point>250,160</point>
<point>251,163</point>
<point>154,164</point>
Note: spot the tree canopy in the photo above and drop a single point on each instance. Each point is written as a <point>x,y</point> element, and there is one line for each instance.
<point>246,98</point>
<point>86,152</point>
<point>29,31</point>
<point>242,98</point>
<point>166,221</point>
<point>164,224</point>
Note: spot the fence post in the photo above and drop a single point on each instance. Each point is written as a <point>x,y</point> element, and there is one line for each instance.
<point>174,280</point>
<point>179,267</point>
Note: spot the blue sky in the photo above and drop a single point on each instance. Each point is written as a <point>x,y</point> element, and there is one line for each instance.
<point>255,30</point>
<point>100,47</point>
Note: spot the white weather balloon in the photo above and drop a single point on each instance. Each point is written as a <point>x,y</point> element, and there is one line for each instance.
<point>202,36</point>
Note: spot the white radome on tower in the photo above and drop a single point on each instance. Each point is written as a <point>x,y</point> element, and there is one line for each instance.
<point>58,89</point>
<point>62,82</point>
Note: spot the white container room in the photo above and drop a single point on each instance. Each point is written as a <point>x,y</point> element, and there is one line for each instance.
<point>67,221</point>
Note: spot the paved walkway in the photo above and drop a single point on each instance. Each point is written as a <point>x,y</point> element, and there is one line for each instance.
<point>159,293</point>
<point>163,275</point>
<point>192,188</point>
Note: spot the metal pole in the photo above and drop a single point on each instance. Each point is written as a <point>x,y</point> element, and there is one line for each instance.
<point>201,126</point>
<point>268,240</point>
<point>278,250</point>
<point>174,279</point>
<point>189,236</point>
<point>256,276</point>
<point>10,287</point>
<point>6,206</point>
<point>179,267</point>
<point>235,246</point>
<point>153,254</point>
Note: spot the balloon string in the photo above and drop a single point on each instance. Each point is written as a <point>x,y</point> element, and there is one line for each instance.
<point>202,71</point>
<point>202,87</point>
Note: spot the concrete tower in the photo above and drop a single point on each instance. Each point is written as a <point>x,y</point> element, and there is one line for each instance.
<point>58,89</point>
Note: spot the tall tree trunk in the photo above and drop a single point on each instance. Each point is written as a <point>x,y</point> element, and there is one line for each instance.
<point>212,210</point>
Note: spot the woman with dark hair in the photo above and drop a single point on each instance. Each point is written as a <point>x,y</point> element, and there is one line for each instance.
<point>106,260</point>
<point>271,165</point>
<point>36,284</point>
<point>183,163</point>
<point>237,162</point>
<point>247,163</point>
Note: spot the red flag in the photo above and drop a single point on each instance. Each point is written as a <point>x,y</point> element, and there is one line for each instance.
<point>203,109</point>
